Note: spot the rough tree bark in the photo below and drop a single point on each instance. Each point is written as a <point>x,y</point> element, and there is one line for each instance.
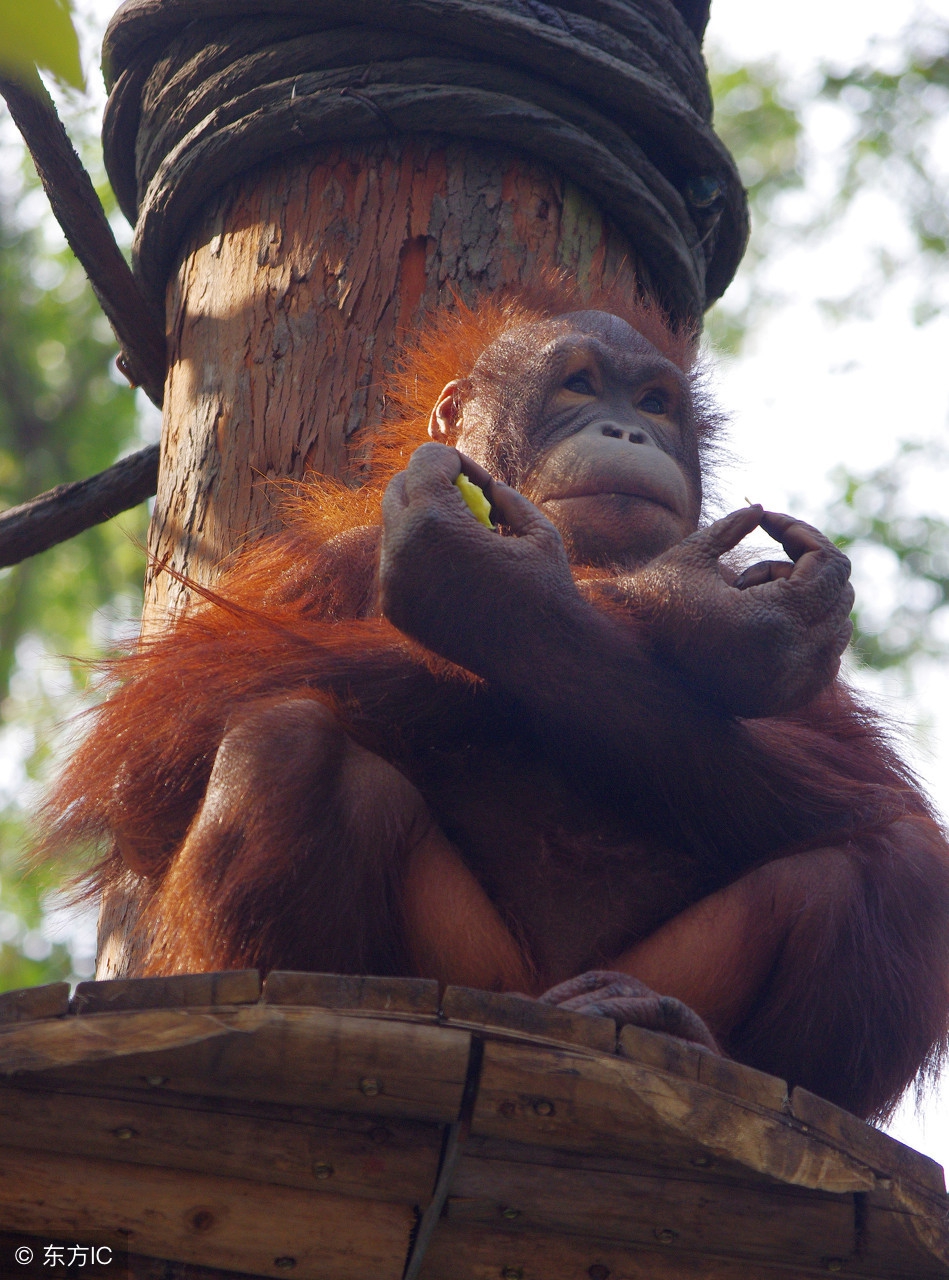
<point>294,295</point>
<point>284,315</point>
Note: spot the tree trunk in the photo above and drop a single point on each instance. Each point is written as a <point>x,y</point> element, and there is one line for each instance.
<point>292,299</point>
<point>284,316</point>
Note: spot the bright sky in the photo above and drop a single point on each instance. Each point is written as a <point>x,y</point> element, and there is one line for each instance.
<point>808,394</point>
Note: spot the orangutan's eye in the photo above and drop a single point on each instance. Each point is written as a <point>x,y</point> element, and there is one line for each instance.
<point>654,402</point>
<point>581,384</point>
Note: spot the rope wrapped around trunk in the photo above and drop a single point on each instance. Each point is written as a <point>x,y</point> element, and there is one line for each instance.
<point>611,93</point>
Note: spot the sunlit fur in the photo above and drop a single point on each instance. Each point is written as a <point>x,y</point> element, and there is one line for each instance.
<point>858,1003</point>
<point>448,347</point>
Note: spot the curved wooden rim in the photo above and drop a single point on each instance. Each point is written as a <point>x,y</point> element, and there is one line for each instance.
<point>490,1074</point>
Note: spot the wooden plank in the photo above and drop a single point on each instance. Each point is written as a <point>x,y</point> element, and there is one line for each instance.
<point>299,1056</point>
<point>561,1098</point>
<point>217,1222</point>
<point>468,1007</point>
<point>417,996</point>
<point>67,1042</point>
<point>739,1081</point>
<point>904,1245</point>
<point>469,1252</point>
<point>877,1149</point>
<point>142,1268</point>
<point>697,1163</point>
<point>346,1155</point>
<point>665,1053</point>
<point>905,1219</point>
<point>777,1224</point>
<point>651,1048</point>
<point>183,990</point>
<point>29,1003</point>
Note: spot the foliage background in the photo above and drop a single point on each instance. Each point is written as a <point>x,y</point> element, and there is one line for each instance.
<point>857,152</point>
<point>65,413</point>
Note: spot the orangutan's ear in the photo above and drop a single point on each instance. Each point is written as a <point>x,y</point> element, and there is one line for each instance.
<point>445,423</point>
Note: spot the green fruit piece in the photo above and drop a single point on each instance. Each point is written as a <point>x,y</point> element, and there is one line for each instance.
<point>474,497</point>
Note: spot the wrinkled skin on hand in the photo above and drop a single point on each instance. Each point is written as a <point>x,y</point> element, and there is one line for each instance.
<point>764,641</point>
<point>456,586</point>
<point>630,1003</point>
<point>760,644</point>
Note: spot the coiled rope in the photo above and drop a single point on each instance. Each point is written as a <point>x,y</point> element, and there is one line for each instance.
<point>611,93</point>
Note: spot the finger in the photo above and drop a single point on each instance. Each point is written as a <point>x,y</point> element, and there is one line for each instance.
<point>591,980</point>
<point>510,508</point>
<point>829,638</point>
<point>798,538</point>
<point>653,1012</point>
<point>393,499</point>
<point>763,571</point>
<point>820,567</point>
<point>625,989</point>
<point>429,476</point>
<point>432,468</point>
<point>726,533</point>
<point>571,988</point>
<point>486,483</point>
<point>677,1019</point>
<point>475,472</point>
<point>593,1006</point>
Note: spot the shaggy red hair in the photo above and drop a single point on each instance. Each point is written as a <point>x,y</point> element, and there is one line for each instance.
<point>445,348</point>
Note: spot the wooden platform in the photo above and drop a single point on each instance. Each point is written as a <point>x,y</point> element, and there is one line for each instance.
<point>335,1128</point>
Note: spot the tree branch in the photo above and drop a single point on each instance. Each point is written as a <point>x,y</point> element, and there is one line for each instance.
<point>68,509</point>
<point>80,213</point>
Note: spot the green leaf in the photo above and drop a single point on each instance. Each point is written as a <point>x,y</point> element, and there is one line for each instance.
<point>40,33</point>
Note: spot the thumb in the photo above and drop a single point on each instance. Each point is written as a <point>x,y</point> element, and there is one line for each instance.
<point>511,508</point>
<point>726,533</point>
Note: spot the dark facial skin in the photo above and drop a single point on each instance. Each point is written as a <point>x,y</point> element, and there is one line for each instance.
<point>603,441</point>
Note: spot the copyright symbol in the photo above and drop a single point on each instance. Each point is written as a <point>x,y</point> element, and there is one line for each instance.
<point>23,1255</point>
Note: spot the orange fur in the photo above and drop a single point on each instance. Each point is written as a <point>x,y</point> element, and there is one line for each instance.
<point>849,1001</point>
<point>268,613</point>
<point>447,347</point>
